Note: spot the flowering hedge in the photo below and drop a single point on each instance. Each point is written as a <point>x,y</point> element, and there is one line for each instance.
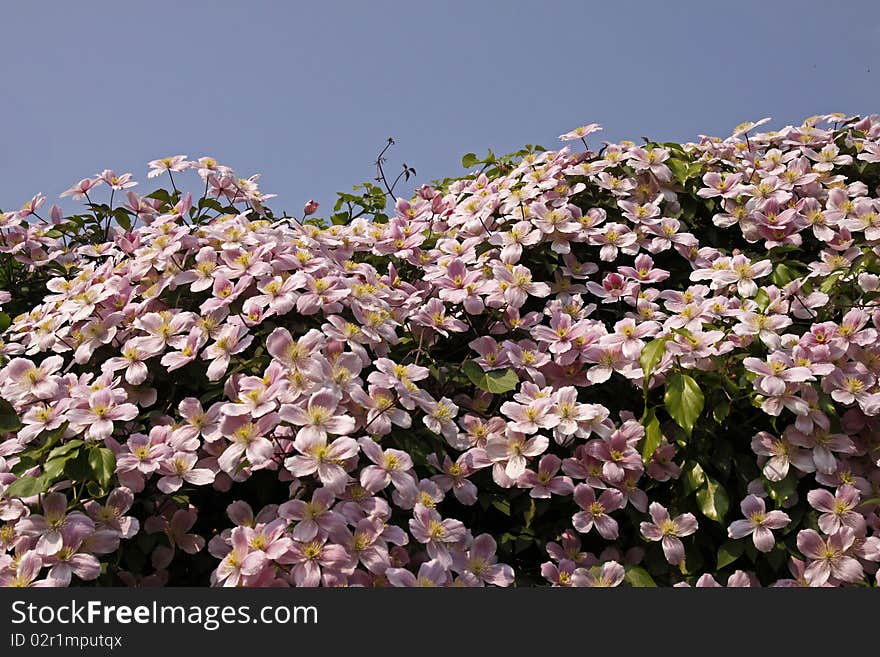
<point>651,364</point>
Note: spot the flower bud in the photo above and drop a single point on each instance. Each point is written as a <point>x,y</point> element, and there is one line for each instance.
<point>310,208</point>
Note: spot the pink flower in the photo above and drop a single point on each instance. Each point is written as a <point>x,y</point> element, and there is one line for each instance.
<point>544,484</point>
<point>440,418</point>
<point>116,182</point>
<point>311,207</point>
<point>175,163</point>
<point>198,422</point>
<point>617,455</point>
<point>431,573</point>
<point>782,455</point>
<point>610,574</point>
<point>776,373</point>
<point>47,528</point>
<point>145,453</point>
<point>308,560</point>
<point>595,512</point>
<point>233,339</point>
<point>668,530</point>
<point>74,557</point>
<point>837,510</point>
<point>390,466</point>
<point>532,417</point>
<point>455,476</point>
<point>176,531</point>
<point>480,560</point>
<point>437,534</point>
<point>111,514</point>
<point>132,361</point>
<point>247,439</point>
<point>82,188</point>
<point>580,133</point>
<point>319,418</point>
<point>513,450</point>
<point>181,468</point>
<point>25,572</point>
<point>240,563</point>
<point>317,457</point>
<point>758,522</point>
<point>36,380</point>
<point>312,517</point>
<point>829,556</point>
<point>101,413</point>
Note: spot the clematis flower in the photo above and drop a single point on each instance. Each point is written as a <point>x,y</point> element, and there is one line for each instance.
<point>513,450</point>
<point>829,556</point>
<point>581,133</point>
<point>36,380</point>
<point>480,560</point>
<point>25,572</point>
<point>610,574</point>
<point>836,510</point>
<point>174,163</point>
<point>390,466</point>
<point>431,573</point>
<point>544,483</point>
<point>47,528</point>
<point>232,340</point>
<point>595,511</point>
<point>313,516</point>
<point>241,562</point>
<point>758,522</point>
<point>316,456</point>
<point>247,439</point>
<point>668,531</point>
<point>437,534</point>
<point>179,469</point>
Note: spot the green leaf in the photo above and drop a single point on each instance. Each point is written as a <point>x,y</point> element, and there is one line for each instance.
<point>684,400</point>
<point>679,169</point>
<point>78,469</point>
<point>653,436</point>
<point>54,468</point>
<point>780,491</point>
<point>95,490</point>
<point>693,477</point>
<point>762,299</point>
<point>161,195</point>
<point>639,577</point>
<point>103,462</point>
<point>783,274</point>
<point>26,463</point>
<point>122,218</point>
<point>496,381</point>
<point>829,283</point>
<point>720,411</point>
<point>25,487</point>
<point>529,515</point>
<point>652,353</point>
<point>8,417</point>
<point>5,321</point>
<point>502,505</point>
<point>66,448</point>
<point>729,552</point>
<point>469,160</point>
<point>713,500</point>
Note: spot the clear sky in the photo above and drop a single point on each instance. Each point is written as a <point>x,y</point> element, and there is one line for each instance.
<point>307,92</point>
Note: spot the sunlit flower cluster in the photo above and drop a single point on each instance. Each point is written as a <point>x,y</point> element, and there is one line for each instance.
<point>637,365</point>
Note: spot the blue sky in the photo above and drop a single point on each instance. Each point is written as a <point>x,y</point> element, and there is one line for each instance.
<point>307,93</point>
